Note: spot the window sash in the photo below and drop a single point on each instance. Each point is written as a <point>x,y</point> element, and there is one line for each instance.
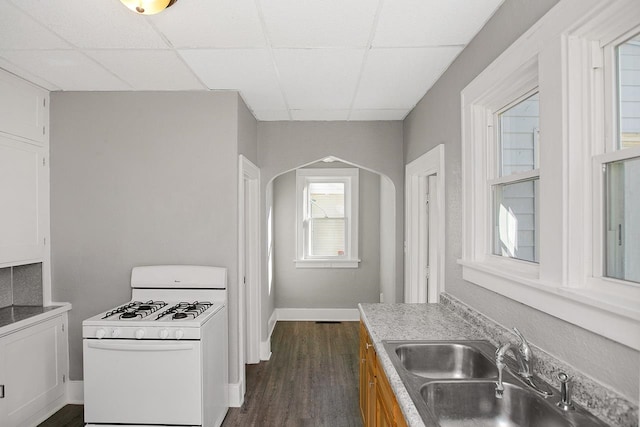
<point>516,224</point>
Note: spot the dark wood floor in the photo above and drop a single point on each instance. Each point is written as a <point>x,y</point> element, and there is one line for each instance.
<point>311,380</point>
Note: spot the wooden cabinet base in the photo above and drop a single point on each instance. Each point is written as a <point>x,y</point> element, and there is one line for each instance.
<point>378,405</point>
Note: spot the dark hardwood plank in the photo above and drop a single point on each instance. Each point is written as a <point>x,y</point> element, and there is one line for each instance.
<point>68,416</point>
<point>311,380</point>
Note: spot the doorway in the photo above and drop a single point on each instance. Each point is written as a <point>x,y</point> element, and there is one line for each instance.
<point>425,228</point>
<point>249,294</point>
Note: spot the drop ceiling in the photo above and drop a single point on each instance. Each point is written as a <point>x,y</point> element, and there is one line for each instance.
<point>289,59</point>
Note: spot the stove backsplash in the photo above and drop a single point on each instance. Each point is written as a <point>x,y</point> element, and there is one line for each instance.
<point>21,285</point>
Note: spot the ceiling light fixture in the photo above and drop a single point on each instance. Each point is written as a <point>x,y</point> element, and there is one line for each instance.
<point>148,7</point>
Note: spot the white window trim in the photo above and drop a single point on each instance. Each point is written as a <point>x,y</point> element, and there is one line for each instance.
<point>351,178</point>
<point>556,54</point>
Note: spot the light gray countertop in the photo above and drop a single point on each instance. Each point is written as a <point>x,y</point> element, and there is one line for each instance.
<point>411,322</point>
<point>19,316</point>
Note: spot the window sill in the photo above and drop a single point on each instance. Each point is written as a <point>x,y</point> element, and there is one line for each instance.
<point>326,263</point>
<point>595,310</point>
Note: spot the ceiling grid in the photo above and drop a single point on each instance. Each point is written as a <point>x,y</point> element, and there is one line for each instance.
<point>289,59</point>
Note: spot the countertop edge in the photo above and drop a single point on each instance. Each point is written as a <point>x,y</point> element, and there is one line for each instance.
<point>60,307</point>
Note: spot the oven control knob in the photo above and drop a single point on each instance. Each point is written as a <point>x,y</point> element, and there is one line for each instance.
<point>179,334</point>
<point>139,334</point>
<point>101,333</point>
<point>164,334</point>
<point>115,333</point>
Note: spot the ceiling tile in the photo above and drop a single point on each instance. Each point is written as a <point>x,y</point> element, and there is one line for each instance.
<point>378,114</point>
<point>212,24</point>
<point>431,22</point>
<point>320,79</point>
<point>319,23</point>
<point>94,24</point>
<point>18,71</point>
<point>148,69</point>
<point>19,31</point>
<point>271,115</point>
<point>399,78</point>
<point>319,115</point>
<point>249,71</point>
<point>67,69</point>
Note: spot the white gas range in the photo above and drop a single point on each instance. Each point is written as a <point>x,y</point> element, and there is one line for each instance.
<point>160,359</point>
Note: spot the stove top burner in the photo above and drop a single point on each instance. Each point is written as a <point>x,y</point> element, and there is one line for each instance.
<point>128,315</point>
<point>136,309</point>
<point>185,310</point>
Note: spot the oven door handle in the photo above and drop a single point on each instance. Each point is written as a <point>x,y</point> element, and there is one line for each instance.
<point>138,346</point>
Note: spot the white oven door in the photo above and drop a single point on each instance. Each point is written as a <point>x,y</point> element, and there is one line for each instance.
<point>142,382</point>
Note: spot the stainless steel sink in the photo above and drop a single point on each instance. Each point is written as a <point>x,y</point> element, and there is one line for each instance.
<point>445,360</point>
<point>453,383</point>
<point>475,404</point>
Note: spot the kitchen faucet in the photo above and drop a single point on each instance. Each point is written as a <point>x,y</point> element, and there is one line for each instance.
<point>524,357</point>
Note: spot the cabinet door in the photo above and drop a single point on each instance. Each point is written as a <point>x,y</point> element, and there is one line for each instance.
<point>23,110</point>
<point>384,417</point>
<point>32,365</point>
<point>363,374</point>
<point>370,416</point>
<point>23,186</point>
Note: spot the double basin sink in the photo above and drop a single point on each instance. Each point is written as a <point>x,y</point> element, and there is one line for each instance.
<point>453,383</point>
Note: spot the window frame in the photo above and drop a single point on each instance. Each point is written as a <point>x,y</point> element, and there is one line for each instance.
<point>495,177</point>
<point>350,178</point>
<point>607,152</point>
<point>564,54</point>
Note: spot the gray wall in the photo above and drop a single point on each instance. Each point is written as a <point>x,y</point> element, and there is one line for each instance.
<point>137,179</point>
<point>377,146</point>
<point>247,133</point>
<point>322,287</point>
<point>437,119</point>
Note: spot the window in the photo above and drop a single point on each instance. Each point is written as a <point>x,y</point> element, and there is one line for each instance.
<point>327,218</point>
<point>551,169</point>
<point>515,201</point>
<point>621,167</point>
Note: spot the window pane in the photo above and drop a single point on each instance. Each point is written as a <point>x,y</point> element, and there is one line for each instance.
<point>623,220</point>
<point>515,220</point>
<point>326,199</point>
<point>327,236</point>
<point>518,127</point>
<point>326,222</point>
<point>629,93</point>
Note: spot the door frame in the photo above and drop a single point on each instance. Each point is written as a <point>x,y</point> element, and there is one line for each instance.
<point>417,173</point>
<point>249,302</point>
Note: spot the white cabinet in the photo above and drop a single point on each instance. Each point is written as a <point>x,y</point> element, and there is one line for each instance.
<point>23,179</point>
<point>33,364</point>
<point>23,109</point>
<point>24,173</point>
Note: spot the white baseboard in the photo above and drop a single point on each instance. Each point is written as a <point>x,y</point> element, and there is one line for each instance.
<point>265,349</point>
<point>318,314</point>
<point>41,415</point>
<point>236,395</point>
<point>75,392</point>
<point>265,346</point>
<point>272,322</point>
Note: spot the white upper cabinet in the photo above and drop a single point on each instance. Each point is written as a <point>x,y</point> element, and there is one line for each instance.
<point>24,172</point>
<point>22,180</point>
<point>24,110</point>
